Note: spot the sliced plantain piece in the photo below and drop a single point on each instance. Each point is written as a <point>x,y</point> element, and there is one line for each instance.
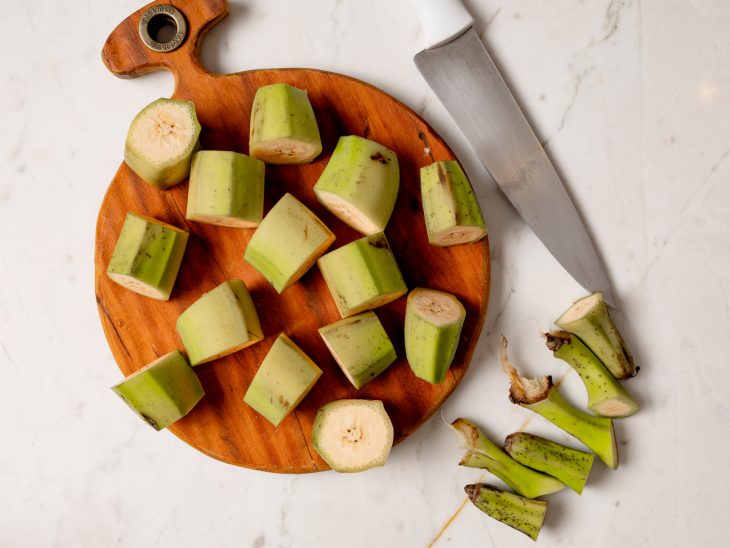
<point>161,142</point>
<point>432,329</point>
<point>283,128</point>
<point>287,243</point>
<point>362,275</point>
<point>226,189</point>
<point>353,435</point>
<point>360,184</point>
<point>360,346</point>
<point>163,391</point>
<point>147,256</point>
<point>221,322</point>
<point>451,210</point>
<point>285,376</point>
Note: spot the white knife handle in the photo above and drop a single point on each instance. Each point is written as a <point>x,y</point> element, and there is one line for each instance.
<point>442,20</point>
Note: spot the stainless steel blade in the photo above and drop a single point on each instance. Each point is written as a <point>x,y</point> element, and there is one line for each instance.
<point>465,79</point>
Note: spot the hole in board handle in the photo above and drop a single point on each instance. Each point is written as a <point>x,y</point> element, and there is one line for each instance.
<point>162,28</point>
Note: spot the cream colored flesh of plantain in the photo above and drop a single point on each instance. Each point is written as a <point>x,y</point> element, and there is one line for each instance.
<point>164,132</point>
<point>363,429</point>
<point>580,308</point>
<point>221,220</point>
<point>348,213</point>
<point>356,438</point>
<point>454,236</point>
<point>344,369</point>
<point>286,151</point>
<point>133,284</point>
<point>353,435</point>
<point>161,142</point>
<point>438,308</point>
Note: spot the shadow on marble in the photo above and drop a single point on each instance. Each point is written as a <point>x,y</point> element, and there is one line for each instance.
<point>556,514</point>
<point>216,42</point>
<point>601,475</point>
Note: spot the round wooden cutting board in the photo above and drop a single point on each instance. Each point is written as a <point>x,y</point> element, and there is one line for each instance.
<point>140,329</point>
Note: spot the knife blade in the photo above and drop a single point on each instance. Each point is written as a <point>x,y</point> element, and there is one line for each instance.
<point>461,73</point>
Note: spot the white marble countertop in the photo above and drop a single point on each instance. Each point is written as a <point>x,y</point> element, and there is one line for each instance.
<point>631,97</point>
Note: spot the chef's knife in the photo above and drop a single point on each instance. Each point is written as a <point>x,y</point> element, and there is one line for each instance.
<point>463,76</point>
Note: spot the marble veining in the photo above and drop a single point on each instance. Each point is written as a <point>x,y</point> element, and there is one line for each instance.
<point>631,99</point>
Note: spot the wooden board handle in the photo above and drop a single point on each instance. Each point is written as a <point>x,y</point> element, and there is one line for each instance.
<point>126,55</point>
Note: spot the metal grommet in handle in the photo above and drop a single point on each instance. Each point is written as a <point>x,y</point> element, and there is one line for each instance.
<point>158,19</point>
